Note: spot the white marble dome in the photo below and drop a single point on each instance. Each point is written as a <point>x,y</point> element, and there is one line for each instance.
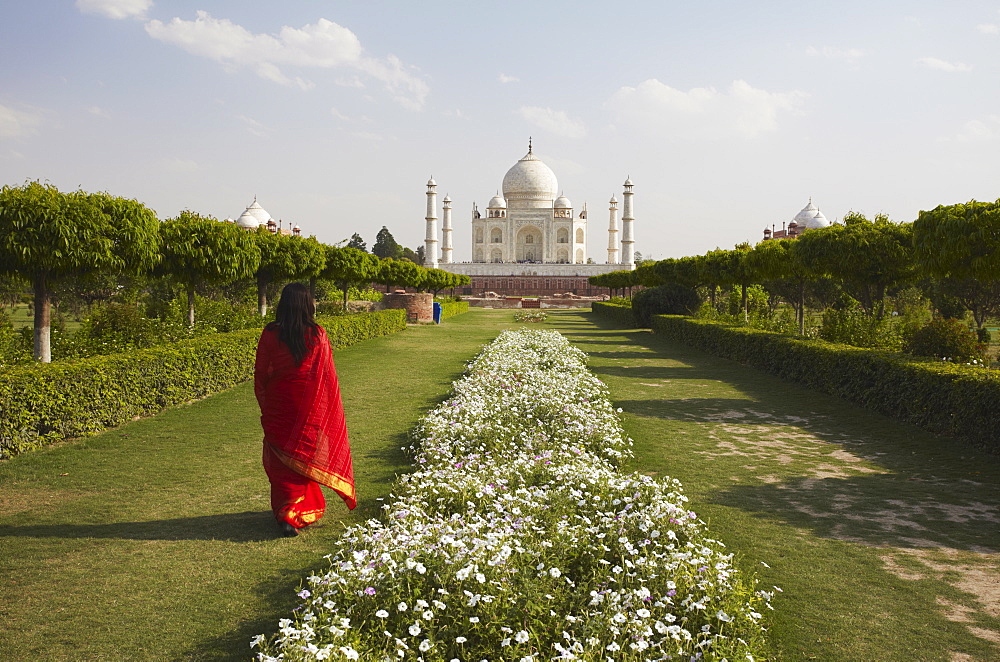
<point>497,202</point>
<point>530,181</point>
<point>253,216</point>
<point>562,202</point>
<point>811,217</point>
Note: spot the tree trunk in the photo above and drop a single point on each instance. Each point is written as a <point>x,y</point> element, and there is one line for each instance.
<point>43,320</point>
<point>743,303</point>
<point>312,287</point>
<point>191,306</point>
<point>346,287</point>
<point>262,294</point>
<point>802,308</point>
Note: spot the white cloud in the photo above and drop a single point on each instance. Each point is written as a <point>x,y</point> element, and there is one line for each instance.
<point>742,111</point>
<point>115,8</point>
<point>942,65</point>
<point>253,126</point>
<point>988,28</point>
<point>848,55</point>
<point>322,45</point>
<point>504,78</point>
<point>554,121</point>
<point>18,123</point>
<point>976,131</point>
<point>99,112</point>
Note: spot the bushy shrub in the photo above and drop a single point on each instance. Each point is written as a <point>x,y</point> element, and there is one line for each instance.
<point>669,299</point>
<point>45,402</point>
<point>851,325</point>
<point>949,339</point>
<point>452,308</point>
<point>621,301</point>
<point>945,398</point>
<point>613,312</point>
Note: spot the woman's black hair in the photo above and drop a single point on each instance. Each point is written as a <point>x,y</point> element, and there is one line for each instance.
<point>294,317</point>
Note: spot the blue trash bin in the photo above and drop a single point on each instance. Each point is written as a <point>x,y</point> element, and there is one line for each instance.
<point>437,312</point>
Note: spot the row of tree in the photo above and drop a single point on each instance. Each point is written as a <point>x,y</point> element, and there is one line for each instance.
<point>48,236</point>
<point>952,251</point>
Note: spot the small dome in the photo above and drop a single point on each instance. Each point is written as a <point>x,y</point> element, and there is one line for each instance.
<point>255,211</point>
<point>628,182</point>
<point>447,198</point>
<point>811,217</point>
<point>562,202</point>
<point>613,200</point>
<point>431,182</point>
<point>497,202</point>
<point>248,220</point>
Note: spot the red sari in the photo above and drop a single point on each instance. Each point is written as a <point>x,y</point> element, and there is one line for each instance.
<point>305,436</point>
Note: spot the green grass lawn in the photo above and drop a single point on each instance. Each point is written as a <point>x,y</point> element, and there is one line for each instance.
<point>154,541</point>
<point>884,539</point>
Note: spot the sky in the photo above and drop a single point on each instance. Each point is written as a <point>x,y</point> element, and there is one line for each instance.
<point>728,116</point>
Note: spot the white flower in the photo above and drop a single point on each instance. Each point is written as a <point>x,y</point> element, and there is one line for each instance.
<point>460,640</point>
<point>724,617</point>
<point>425,645</point>
<point>522,637</point>
<point>554,572</point>
<point>382,613</point>
<point>349,653</point>
<point>414,629</point>
<point>473,619</point>
<point>402,606</point>
<point>642,613</point>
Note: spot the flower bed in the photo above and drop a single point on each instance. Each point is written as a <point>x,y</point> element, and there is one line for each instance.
<point>519,539</point>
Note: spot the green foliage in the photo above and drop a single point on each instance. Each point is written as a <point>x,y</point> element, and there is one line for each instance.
<point>669,299</point>
<point>947,339</point>
<point>614,312</point>
<point>866,257</point>
<point>941,397</point>
<point>357,242</point>
<point>48,402</point>
<point>621,301</point>
<point>385,245</point>
<point>199,251</point>
<point>851,325</point>
<point>452,308</point>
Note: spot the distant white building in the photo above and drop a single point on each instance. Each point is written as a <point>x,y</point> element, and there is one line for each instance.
<point>529,240</point>
<point>809,218</point>
<point>255,216</point>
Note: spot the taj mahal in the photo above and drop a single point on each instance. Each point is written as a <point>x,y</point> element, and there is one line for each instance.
<point>530,241</point>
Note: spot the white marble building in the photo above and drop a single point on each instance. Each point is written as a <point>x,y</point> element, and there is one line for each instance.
<point>529,231</point>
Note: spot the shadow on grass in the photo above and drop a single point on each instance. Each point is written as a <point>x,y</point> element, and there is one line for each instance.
<point>920,489</point>
<point>233,527</point>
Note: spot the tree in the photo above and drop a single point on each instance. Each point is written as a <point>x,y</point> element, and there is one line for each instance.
<point>399,272</point>
<point>410,255</point>
<point>357,242</point>
<point>285,257</point>
<point>385,246</point>
<point>198,250</point>
<point>349,267</point>
<point>866,257</point>
<point>778,261</point>
<point>960,244</point>
<point>47,236</point>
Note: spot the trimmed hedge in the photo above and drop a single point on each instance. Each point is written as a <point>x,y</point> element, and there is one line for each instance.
<point>452,308</point>
<point>949,399</point>
<point>614,312</point>
<point>43,403</point>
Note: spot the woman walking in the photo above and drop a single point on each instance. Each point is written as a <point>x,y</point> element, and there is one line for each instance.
<point>305,436</point>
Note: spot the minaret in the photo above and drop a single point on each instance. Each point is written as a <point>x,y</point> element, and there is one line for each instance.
<point>613,233</point>
<point>628,254</point>
<point>430,240</point>
<point>446,232</point>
